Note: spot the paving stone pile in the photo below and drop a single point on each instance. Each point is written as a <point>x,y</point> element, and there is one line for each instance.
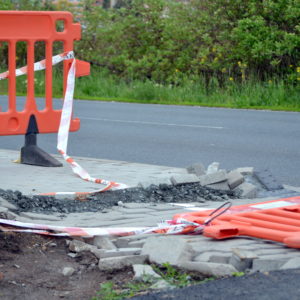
<point>190,253</point>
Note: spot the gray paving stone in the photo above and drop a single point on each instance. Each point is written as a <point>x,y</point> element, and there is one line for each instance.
<point>68,271</point>
<point>214,256</point>
<point>207,244</point>
<point>247,190</point>
<point>235,178</point>
<point>211,269</point>
<point>5,203</point>
<point>197,169</point>
<point>184,178</point>
<point>136,244</point>
<point>165,207</point>
<point>117,263</point>
<point>162,285</point>
<point>79,246</point>
<point>220,186</point>
<point>168,213</point>
<point>266,178</point>
<point>138,205</point>
<point>293,263</point>
<point>213,167</point>
<point>242,259</point>
<point>101,253</point>
<point>103,242</point>
<point>245,170</point>
<point>275,251</point>
<point>35,216</point>
<point>3,210</point>
<point>154,181</point>
<point>213,177</point>
<point>144,273</point>
<point>171,249</point>
<point>268,264</point>
<point>133,211</point>
<point>137,237</point>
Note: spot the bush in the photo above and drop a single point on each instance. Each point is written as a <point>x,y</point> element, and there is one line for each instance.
<point>168,40</point>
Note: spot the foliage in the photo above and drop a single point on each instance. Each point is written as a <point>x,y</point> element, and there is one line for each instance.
<point>110,292</point>
<point>236,53</point>
<point>166,40</point>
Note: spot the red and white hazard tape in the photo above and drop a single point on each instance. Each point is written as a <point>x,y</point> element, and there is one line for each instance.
<point>166,227</point>
<point>63,131</point>
<point>41,65</point>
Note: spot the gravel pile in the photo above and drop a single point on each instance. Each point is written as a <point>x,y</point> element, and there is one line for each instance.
<point>191,192</point>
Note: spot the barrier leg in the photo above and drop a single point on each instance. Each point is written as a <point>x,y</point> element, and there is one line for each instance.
<point>31,154</point>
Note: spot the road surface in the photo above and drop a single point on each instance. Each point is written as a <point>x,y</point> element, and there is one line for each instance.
<point>181,135</point>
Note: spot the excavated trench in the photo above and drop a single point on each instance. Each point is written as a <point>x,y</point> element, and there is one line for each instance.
<point>184,193</point>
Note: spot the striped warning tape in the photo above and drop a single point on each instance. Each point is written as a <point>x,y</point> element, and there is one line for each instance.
<point>63,131</point>
<point>165,227</point>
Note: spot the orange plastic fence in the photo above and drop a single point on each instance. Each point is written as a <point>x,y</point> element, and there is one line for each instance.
<point>277,220</point>
<point>31,27</point>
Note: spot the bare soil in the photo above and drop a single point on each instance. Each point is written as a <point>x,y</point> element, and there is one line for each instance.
<point>31,268</point>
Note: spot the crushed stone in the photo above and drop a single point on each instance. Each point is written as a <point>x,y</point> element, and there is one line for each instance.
<point>184,193</point>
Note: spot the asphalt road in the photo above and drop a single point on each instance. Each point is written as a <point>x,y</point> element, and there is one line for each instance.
<point>179,136</point>
<point>277,285</point>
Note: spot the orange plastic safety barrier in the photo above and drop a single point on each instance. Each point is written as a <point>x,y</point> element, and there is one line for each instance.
<point>277,220</point>
<point>32,27</point>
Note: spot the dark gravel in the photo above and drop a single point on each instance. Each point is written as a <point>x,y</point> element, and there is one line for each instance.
<point>163,193</point>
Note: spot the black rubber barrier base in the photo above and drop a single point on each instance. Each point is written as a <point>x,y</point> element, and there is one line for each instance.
<point>31,154</point>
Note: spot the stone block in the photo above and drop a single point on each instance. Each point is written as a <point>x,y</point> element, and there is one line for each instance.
<point>268,264</point>
<point>293,263</point>
<point>207,244</point>
<point>210,269</point>
<point>154,181</point>
<point>213,167</point>
<point>184,178</point>
<point>162,285</point>
<point>223,186</point>
<point>101,253</point>
<point>79,246</point>
<point>68,271</point>
<point>171,249</point>
<point>247,190</point>
<point>117,263</point>
<point>214,256</point>
<point>266,178</point>
<point>103,242</point>
<point>216,177</point>
<point>144,273</point>
<point>5,203</point>
<point>132,241</point>
<point>245,170</point>
<point>3,210</point>
<point>136,244</point>
<point>235,178</point>
<point>35,216</point>
<point>197,169</point>
<point>242,259</point>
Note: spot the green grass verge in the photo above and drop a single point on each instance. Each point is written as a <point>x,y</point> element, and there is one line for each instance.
<point>274,94</point>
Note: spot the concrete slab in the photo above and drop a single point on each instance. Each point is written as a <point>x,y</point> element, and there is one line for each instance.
<point>34,179</point>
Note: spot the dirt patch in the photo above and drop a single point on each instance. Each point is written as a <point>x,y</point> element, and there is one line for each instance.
<point>31,268</point>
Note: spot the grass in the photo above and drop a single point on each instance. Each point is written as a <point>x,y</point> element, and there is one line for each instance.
<point>273,94</point>
<point>175,277</point>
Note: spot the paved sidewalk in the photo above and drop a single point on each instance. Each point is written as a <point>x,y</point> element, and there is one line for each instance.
<point>33,179</point>
<point>196,253</point>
